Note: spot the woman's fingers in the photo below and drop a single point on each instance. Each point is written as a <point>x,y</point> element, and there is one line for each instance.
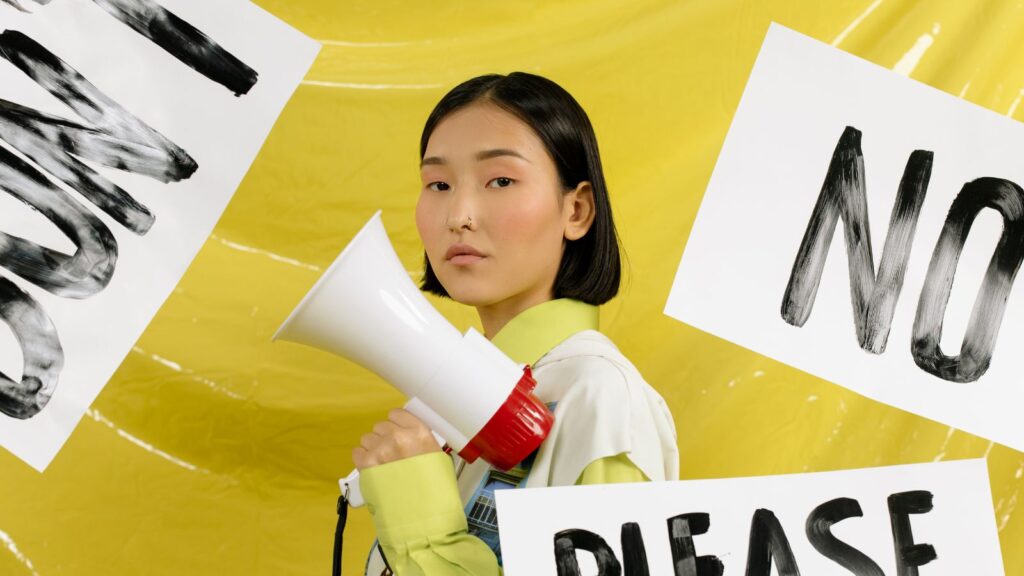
<point>402,435</point>
<point>362,458</point>
<point>421,435</point>
<point>406,419</point>
<point>385,428</point>
<point>376,445</point>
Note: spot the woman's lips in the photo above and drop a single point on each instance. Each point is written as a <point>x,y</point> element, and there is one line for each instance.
<point>465,259</point>
<point>463,255</point>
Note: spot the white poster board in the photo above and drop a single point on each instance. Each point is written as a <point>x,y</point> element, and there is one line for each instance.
<point>818,523</point>
<point>782,260</point>
<point>125,128</point>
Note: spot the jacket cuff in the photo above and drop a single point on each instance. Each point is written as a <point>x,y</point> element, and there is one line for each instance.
<point>413,498</point>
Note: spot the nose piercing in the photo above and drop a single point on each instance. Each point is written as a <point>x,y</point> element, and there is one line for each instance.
<point>467,224</point>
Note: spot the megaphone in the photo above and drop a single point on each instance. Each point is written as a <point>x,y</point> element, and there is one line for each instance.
<point>367,309</point>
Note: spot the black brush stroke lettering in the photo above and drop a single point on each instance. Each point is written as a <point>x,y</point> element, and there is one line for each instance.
<point>114,138</point>
<point>634,554</point>
<point>567,542</point>
<point>819,534</point>
<point>117,139</point>
<point>979,341</point>
<point>685,562</point>
<point>843,196</point>
<point>178,38</point>
<point>167,162</point>
<point>50,142</point>
<point>183,41</point>
<point>909,555</point>
<point>42,353</point>
<point>767,542</point>
<point>79,275</point>
<point>109,136</point>
<point>16,4</point>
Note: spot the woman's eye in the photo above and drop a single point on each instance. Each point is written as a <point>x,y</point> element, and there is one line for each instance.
<point>440,186</point>
<point>502,181</point>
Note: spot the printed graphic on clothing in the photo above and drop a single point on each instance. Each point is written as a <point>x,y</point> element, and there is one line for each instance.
<point>481,512</point>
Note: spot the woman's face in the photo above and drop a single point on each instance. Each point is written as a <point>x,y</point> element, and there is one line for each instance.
<point>491,189</point>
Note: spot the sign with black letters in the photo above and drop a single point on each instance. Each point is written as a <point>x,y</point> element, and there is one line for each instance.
<point>125,128</point>
<point>867,229</point>
<point>932,518</point>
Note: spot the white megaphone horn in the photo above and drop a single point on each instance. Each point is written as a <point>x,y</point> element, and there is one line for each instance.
<point>367,309</point>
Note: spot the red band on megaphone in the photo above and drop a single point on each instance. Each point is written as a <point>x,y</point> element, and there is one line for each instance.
<point>516,429</point>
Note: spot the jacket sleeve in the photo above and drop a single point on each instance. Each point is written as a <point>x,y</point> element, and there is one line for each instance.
<point>611,470</point>
<point>420,522</point>
<point>419,517</point>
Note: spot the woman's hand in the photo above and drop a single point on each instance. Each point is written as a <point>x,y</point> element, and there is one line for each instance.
<point>402,435</point>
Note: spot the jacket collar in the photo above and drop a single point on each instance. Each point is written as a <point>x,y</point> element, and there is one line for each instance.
<point>540,328</point>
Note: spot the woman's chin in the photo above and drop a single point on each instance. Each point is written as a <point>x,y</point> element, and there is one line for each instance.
<point>473,300</point>
<point>471,296</point>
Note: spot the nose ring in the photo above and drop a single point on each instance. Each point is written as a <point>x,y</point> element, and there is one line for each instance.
<point>468,223</point>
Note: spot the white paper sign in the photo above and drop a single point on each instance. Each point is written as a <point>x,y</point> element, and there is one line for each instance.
<point>125,128</point>
<point>836,221</point>
<point>866,522</point>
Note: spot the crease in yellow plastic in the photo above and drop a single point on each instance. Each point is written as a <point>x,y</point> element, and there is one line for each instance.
<point>214,451</point>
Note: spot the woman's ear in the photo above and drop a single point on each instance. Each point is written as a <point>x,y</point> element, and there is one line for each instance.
<point>579,205</point>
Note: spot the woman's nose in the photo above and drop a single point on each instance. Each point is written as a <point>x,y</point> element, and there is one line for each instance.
<point>461,210</point>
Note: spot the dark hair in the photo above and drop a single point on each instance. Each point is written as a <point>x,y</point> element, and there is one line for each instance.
<point>590,270</point>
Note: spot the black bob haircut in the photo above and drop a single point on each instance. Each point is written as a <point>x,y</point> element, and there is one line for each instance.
<point>590,270</point>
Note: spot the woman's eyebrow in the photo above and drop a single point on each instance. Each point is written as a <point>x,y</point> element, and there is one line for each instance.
<point>482,155</point>
<point>494,153</point>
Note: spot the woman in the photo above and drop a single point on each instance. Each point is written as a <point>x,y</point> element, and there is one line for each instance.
<point>515,221</point>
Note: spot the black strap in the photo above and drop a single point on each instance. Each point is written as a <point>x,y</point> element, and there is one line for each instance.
<point>338,531</point>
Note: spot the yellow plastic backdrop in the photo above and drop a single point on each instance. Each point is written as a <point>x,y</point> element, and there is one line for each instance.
<point>213,451</point>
